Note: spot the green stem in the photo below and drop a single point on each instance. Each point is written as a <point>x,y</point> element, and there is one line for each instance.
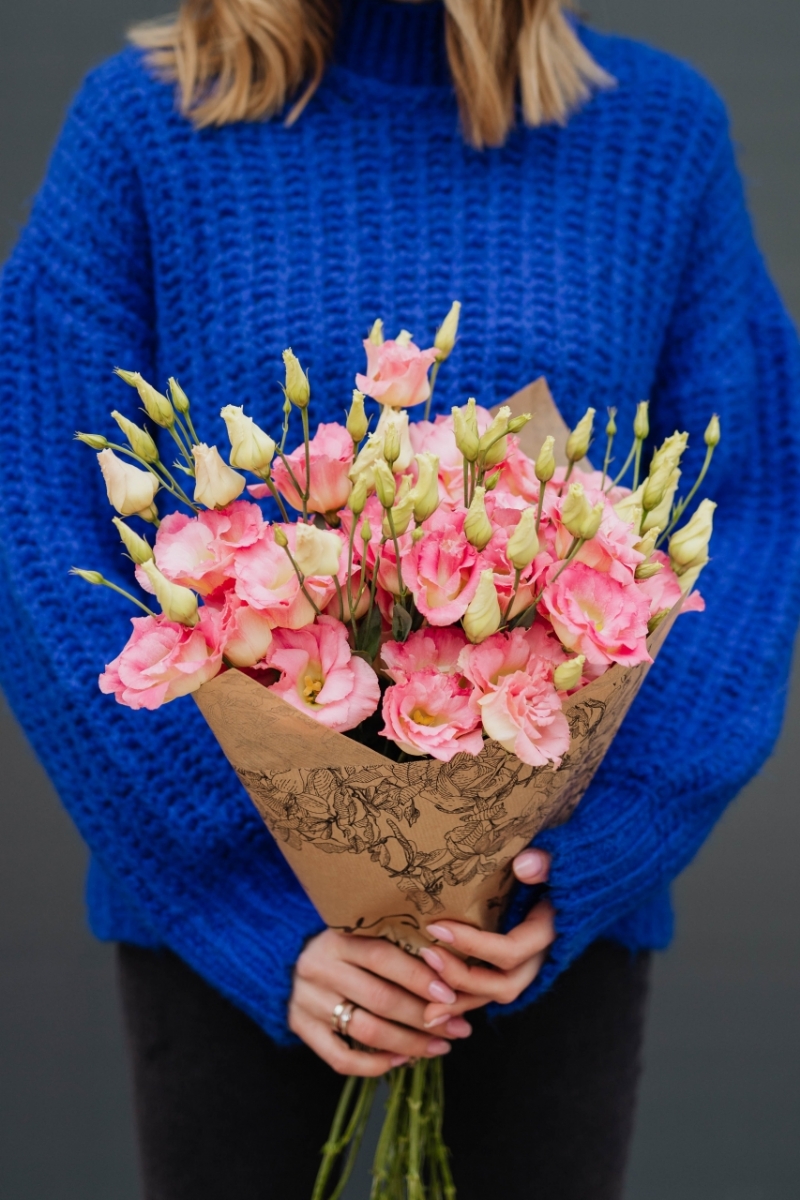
<point>386,1149</point>
<point>414,1176</point>
<point>517,574</point>
<point>637,465</point>
<point>306,441</point>
<point>292,475</point>
<point>682,505</point>
<point>390,521</point>
<point>573,550</point>
<point>333,1147</point>
<point>354,1134</point>
<point>276,496</point>
<point>434,373</point>
<point>466,484</point>
<point>174,433</point>
<point>189,437</point>
<point>540,505</point>
<point>302,579</point>
<point>626,464</point>
<point>607,461</point>
<point>338,587</point>
<point>165,479</point>
<point>121,592</point>
<point>192,431</point>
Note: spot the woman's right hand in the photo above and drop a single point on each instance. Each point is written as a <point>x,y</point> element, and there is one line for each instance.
<point>390,990</point>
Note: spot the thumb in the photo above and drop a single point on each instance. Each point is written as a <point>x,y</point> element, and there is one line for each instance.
<point>532,866</point>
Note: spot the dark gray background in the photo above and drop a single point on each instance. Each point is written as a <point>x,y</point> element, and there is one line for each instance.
<point>721,1098</point>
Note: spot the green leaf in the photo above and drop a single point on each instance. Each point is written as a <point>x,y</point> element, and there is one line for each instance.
<point>369,633</point>
<point>401,623</point>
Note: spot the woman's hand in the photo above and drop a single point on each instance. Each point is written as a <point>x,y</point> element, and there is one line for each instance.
<point>390,990</point>
<point>514,958</point>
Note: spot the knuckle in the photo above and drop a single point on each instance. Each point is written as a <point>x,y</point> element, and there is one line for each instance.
<point>381,996</point>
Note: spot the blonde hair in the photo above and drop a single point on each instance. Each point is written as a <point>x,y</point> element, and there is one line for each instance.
<point>242,60</point>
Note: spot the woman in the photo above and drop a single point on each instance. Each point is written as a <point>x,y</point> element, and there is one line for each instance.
<point>579,194</point>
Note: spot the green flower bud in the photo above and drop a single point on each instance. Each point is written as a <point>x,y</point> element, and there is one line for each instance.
<point>641,422</point>
<point>445,338</point>
<point>523,545</point>
<point>712,434</point>
<point>688,547</point>
<point>519,422</point>
<point>376,333</point>
<point>491,483</point>
<point>358,496</point>
<point>157,407</point>
<point>611,427</point>
<point>402,512</point>
<point>567,675</point>
<point>385,486</point>
<point>426,490</point>
<point>545,465</point>
<point>578,441</point>
<point>178,397</point>
<point>95,440</point>
<point>576,510</point>
<point>465,429</point>
<point>483,616</point>
<point>139,550</point>
<point>357,423</point>
<point>655,486</point>
<point>251,448</point>
<point>177,603</point>
<point>404,338</point>
<point>280,537</point>
<point>477,526</point>
<point>139,439</point>
<point>89,576</point>
<point>366,530</point>
<point>297,387</point>
<point>654,622</point>
<point>417,535</point>
<point>647,570</point>
<point>391,443</point>
<point>493,444</point>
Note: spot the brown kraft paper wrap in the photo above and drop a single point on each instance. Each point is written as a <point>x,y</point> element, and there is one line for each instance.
<point>383,848</point>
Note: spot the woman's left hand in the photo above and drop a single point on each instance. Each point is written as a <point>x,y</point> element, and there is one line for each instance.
<point>514,959</point>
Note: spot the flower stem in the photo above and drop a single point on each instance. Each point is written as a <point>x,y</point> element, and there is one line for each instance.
<point>338,587</point>
<point>429,401</point>
<point>517,574</point>
<point>607,461</point>
<point>626,464</point>
<point>333,1147</point>
<point>540,505</point>
<point>276,496</point>
<point>414,1175</point>
<point>121,592</point>
<point>466,484</point>
<point>390,521</point>
<point>306,441</point>
<point>637,464</point>
<point>301,577</point>
<point>682,505</point>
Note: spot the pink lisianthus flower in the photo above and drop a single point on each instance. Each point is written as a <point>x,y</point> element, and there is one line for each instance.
<point>523,713</point>
<point>663,591</point>
<point>430,713</point>
<point>438,437</point>
<point>331,457</point>
<point>321,678</point>
<point>267,581</point>
<point>442,570</point>
<point>612,547</point>
<point>246,632</point>
<point>487,664</point>
<point>593,614</point>
<point>397,375</point>
<point>163,660</point>
<point>198,552</point>
<point>427,649</point>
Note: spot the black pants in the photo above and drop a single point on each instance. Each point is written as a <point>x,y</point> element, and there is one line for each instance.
<point>539,1104</point>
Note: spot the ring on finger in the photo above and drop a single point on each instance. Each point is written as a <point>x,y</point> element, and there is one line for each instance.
<point>341,1017</point>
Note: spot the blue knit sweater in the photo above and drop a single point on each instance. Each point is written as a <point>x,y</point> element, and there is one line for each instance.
<point>613,255</point>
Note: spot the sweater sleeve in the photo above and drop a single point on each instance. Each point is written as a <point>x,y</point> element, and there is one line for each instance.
<point>711,708</point>
<point>151,793</point>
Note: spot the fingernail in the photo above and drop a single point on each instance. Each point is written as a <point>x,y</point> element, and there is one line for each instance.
<point>530,865</point>
<point>440,933</point>
<point>441,992</point>
<point>437,1021</point>
<point>398,1060</point>
<point>432,959</point>
<point>458,1027</point>
<point>438,1046</point>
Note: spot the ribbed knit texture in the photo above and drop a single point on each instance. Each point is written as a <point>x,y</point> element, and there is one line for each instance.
<point>614,256</point>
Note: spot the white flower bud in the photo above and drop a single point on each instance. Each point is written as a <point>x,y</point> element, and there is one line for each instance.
<point>317,551</point>
<point>391,443</point>
<point>670,451</point>
<point>629,509</point>
<point>483,616</point>
<point>404,338</point>
<point>157,407</point>
<point>545,466</point>
<point>523,545</point>
<point>647,544</point>
<point>376,333</point>
<point>95,440</point>
<point>425,492</point>
<point>578,441</point>
<point>129,489</point>
<point>477,526</point>
<point>465,429</point>
<point>139,550</point>
<point>688,547</point>
<point>647,570</point>
<point>358,496</point>
<point>493,444</point>
<point>385,486</point>
<point>216,485</point>
<point>177,603</point>
<point>567,675</point>
<point>177,395</point>
<point>659,517</point>
<point>578,516</point>
<point>402,513</point>
<point>251,448</point>
<point>445,339</point>
<point>712,434</point>
<point>641,422</point>
<point>297,387</point>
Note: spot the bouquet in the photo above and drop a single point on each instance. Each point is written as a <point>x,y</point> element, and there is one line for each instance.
<point>416,667</point>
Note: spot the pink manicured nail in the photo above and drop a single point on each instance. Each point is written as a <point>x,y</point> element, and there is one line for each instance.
<point>439,1046</point>
<point>441,992</point>
<point>398,1060</point>
<point>432,959</point>
<point>437,1021</point>
<point>440,933</point>
<point>530,865</point>
<point>458,1027</point>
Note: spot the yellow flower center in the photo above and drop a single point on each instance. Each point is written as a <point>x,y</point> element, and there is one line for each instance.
<point>312,688</point>
<point>422,718</point>
<point>594,614</point>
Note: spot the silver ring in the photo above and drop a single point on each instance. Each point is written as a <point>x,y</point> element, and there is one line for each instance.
<point>341,1017</point>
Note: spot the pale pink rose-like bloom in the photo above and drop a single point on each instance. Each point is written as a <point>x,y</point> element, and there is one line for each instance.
<point>246,632</point>
<point>443,570</point>
<point>663,591</point>
<point>523,713</point>
<point>266,580</point>
<point>163,660</point>
<point>331,457</point>
<point>320,676</point>
<point>487,664</point>
<point>426,649</point>
<point>517,476</point>
<point>593,614</point>
<point>397,375</point>
<point>429,713</point>
<point>198,552</point>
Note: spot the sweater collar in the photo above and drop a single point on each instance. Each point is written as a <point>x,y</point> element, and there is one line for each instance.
<point>394,42</point>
